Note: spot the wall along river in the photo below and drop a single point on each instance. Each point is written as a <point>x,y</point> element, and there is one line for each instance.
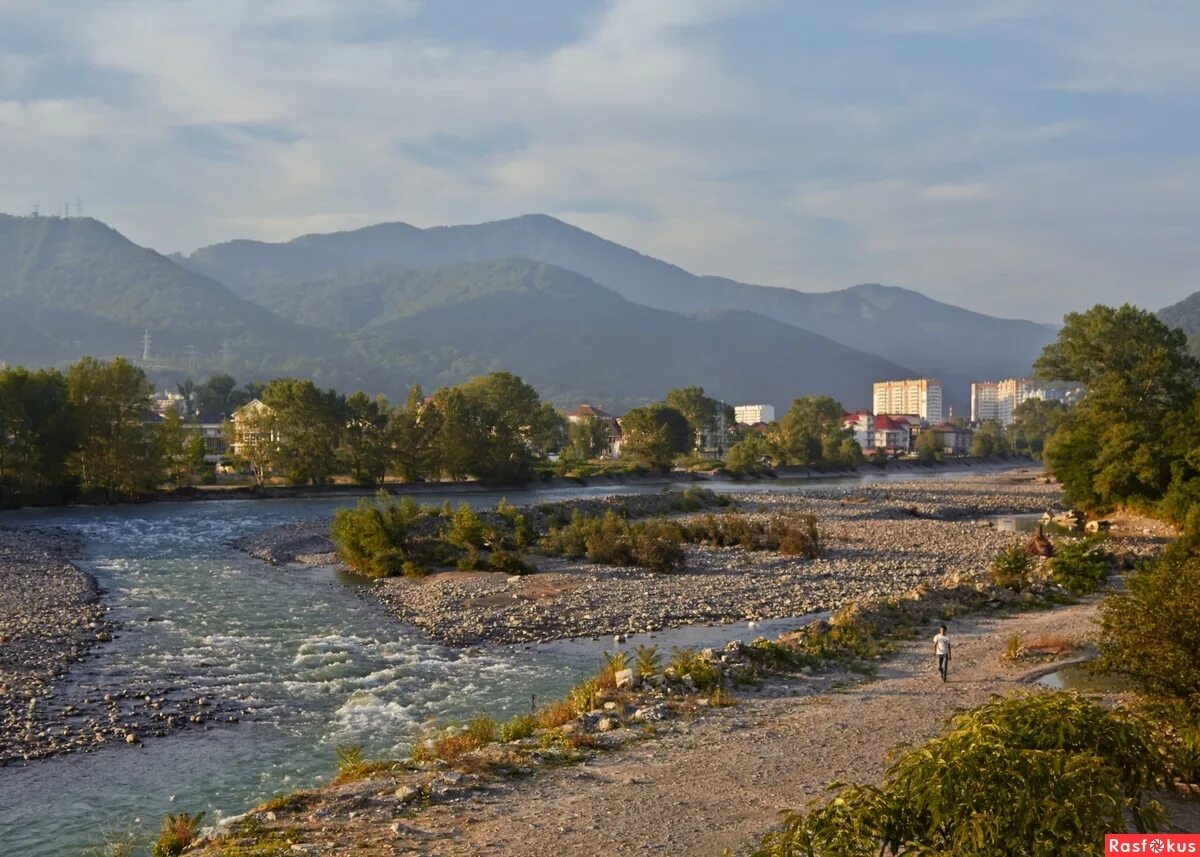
<point>312,662</point>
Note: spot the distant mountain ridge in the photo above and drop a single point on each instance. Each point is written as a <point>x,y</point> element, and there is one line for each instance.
<point>71,287</point>
<point>1186,316</point>
<point>901,325</point>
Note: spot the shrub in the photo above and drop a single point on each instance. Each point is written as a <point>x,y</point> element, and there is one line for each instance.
<point>464,529</point>
<point>1080,567</point>
<point>705,676</point>
<point>508,563</point>
<point>178,831</point>
<point>471,561</point>
<point>1151,632</point>
<point>647,660</point>
<point>518,727</point>
<point>608,541</point>
<point>351,763</point>
<point>1010,569</point>
<point>482,729</point>
<point>411,569</point>
<point>798,538</point>
<point>656,546</point>
<point>373,537</point>
<point>1027,775</point>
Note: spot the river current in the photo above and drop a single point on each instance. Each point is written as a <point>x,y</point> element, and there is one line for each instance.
<point>313,662</point>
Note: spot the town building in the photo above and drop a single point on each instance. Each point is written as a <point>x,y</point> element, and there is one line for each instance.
<point>953,440</point>
<point>893,434</point>
<point>920,396</point>
<point>752,414</point>
<point>997,400</point>
<point>248,422</point>
<point>862,423</point>
<point>611,424</point>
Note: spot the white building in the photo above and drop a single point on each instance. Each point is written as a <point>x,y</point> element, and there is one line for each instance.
<point>919,396</point>
<point>996,400</point>
<point>751,414</point>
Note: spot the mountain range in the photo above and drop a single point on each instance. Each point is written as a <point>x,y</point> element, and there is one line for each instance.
<point>386,306</point>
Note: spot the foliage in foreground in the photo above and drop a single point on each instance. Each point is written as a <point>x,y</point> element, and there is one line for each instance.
<point>1028,775</point>
<point>1151,632</point>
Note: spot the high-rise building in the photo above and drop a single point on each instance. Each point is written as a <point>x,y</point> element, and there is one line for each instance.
<point>919,396</point>
<point>752,414</point>
<point>996,400</point>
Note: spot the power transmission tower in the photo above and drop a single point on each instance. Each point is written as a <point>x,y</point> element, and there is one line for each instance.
<point>146,347</point>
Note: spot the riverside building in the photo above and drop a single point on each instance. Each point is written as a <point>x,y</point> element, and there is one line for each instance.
<point>919,396</point>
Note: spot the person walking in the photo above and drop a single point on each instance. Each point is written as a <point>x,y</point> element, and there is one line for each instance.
<point>941,648</point>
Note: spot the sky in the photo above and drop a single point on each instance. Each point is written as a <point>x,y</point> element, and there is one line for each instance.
<point>1018,158</point>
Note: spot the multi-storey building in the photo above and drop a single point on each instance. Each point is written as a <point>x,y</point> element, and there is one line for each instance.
<point>919,396</point>
<point>996,400</point>
<point>752,414</point>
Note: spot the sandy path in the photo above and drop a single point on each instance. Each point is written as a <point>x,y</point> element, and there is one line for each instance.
<point>723,782</point>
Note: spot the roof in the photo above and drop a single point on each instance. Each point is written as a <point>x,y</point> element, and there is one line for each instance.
<point>589,410</point>
<point>886,423</point>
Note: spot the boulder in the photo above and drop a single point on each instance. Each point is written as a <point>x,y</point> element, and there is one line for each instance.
<point>625,678</point>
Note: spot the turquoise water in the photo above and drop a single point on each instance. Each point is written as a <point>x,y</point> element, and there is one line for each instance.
<point>313,663</point>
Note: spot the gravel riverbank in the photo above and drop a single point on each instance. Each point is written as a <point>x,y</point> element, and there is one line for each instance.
<point>880,539</point>
<point>51,617</point>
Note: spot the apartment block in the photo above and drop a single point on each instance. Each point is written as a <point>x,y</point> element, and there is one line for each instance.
<point>751,414</point>
<point>996,400</point>
<point>919,396</point>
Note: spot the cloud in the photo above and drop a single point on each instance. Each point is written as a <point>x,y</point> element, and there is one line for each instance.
<point>973,151</point>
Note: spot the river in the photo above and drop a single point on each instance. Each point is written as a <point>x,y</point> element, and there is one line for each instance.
<point>314,663</point>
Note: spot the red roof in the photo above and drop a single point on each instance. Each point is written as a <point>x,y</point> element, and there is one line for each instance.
<point>886,423</point>
<point>589,410</point>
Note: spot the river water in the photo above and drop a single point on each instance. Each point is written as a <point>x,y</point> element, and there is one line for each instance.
<point>314,663</point>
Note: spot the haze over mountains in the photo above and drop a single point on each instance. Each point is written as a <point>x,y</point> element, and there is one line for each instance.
<point>386,306</point>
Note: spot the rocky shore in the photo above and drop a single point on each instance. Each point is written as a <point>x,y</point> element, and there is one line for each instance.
<point>51,616</point>
<point>878,540</point>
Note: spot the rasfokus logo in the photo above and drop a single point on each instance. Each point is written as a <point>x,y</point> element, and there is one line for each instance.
<point>1152,843</point>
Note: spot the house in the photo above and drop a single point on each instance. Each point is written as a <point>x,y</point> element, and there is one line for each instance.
<point>953,440</point>
<point>248,421</point>
<point>863,426</point>
<point>892,434</point>
<point>612,426</point>
<point>212,430</point>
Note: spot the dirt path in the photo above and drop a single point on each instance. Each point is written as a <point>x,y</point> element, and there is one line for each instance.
<point>723,782</point>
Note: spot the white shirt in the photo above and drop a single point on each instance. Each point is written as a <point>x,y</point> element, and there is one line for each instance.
<point>941,644</point>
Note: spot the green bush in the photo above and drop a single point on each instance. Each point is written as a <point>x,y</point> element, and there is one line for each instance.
<point>178,831</point>
<point>1080,567</point>
<point>1151,632</point>
<point>647,660</point>
<point>373,537</point>
<point>471,561</point>
<point>464,529</point>
<point>1036,775</point>
<point>509,563</point>
<point>1010,569</point>
<point>705,675</point>
<point>520,726</point>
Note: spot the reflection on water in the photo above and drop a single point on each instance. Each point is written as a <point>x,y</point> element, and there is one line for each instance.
<point>1080,677</point>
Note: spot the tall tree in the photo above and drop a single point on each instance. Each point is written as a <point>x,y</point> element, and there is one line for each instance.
<point>587,437</point>
<point>413,431</point>
<point>181,450</point>
<point>812,433</point>
<point>366,443</point>
<point>220,394</point>
<point>116,456</point>
<point>1033,421</point>
<point>310,423</point>
<point>653,435</point>
<point>37,434</point>
<point>1113,446</point>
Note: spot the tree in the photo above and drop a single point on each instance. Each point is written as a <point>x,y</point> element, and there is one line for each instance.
<point>1113,447</point>
<point>115,455</point>
<point>182,451</point>
<point>990,439</point>
<point>750,454</point>
<point>1034,420</point>
<point>366,443</point>
<point>413,431</point>
<point>812,433</point>
<point>652,435</point>
<point>929,448</point>
<point>37,434</point>
<point>309,426</point>
<point>587,438</point>
<point>494,427</point>
<point>220,394</point>
<point>701,412</point>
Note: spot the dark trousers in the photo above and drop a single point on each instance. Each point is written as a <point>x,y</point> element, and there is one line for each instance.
<point>943,665</point>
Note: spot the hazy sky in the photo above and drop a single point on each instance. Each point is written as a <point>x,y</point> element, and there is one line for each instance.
<point>1020,158</point>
